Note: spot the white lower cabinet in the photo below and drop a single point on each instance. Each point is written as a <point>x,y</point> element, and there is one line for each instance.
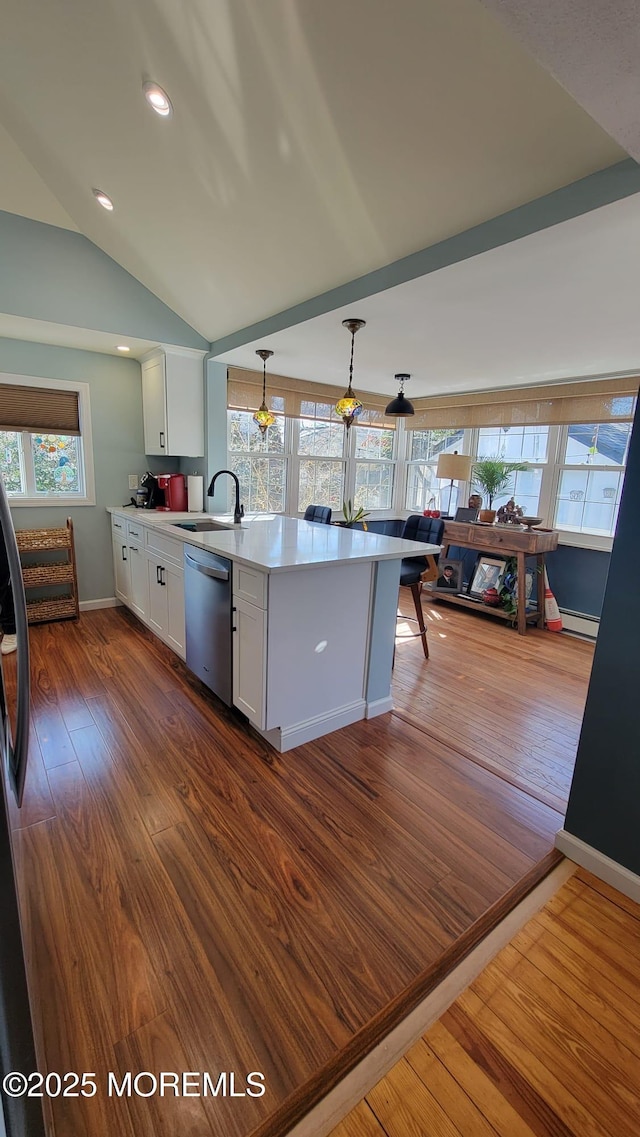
<point>249,650</point>
<point>139,581</point>
<point>166,604</point>
<point>121,566</point>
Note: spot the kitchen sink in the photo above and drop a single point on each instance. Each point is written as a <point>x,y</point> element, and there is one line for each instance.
<point>202,526</point>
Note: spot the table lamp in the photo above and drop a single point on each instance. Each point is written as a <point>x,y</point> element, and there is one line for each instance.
<point>455,467</point>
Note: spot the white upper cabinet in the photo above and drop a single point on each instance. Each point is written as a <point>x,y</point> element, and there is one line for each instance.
<point>173,402</point>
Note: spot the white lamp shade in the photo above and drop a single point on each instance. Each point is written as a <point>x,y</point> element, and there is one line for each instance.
<point>454,467</point>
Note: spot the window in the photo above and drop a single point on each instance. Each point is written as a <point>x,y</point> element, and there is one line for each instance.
<point>424,490</point>
<point>374,449</point>
<point>593,459</point>
<point>259,461</point>
<point>45,466</point>
<point>320,451</point>
<point>528,444</point>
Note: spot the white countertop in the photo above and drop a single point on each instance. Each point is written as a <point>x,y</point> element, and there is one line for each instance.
<point>274,543</point>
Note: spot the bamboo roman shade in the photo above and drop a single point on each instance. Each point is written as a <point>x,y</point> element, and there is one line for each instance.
<point>297,398</point>
<point>598,400</point>
<point>38,409</point>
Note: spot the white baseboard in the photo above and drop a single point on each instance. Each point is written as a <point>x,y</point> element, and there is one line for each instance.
<point>92,605</point>
<point>285,738</point>
<point>379,707</point>
<point>341,1100</point>
<point>599,864</point>
<point>583,625</point>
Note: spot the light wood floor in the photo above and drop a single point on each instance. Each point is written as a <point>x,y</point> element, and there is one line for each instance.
<point>545,1043</point>
<point>193,901</point>
<point>511,703</point>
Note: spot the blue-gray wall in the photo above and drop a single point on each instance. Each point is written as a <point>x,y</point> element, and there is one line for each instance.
<point>118,449</point>
<point>604,802</point>
<point>52,274</point>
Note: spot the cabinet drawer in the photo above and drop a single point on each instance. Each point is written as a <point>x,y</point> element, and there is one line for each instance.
<point>118,524</point>
<point>135,531</point>
<point>250,584</point>
<point>168,548</point>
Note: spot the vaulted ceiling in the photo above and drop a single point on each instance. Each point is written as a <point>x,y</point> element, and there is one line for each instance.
<point>312,141</point>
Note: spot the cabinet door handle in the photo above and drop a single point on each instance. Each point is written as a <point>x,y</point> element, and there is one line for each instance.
<point>133,549</point>
<point>158,581</point>
<point>162,580</point>
<point>124,552</point>
<point>162,439</point>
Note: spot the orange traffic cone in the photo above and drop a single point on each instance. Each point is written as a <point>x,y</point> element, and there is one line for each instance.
<point>552,617</point>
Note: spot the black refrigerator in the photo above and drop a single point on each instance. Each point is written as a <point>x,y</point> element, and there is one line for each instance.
<point>21,1116</point>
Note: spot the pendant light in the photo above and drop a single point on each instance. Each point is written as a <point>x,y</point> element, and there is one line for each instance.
<point>400,405</point>
<point>263,417</point>
<point>348,407</point>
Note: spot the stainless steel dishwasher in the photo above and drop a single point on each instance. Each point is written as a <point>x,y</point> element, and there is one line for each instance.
<point>207,595</point>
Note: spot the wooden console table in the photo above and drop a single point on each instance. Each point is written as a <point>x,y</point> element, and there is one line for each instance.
<point>511,542</point>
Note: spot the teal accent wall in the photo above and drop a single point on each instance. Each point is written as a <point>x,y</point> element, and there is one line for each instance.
<point>118,449</point>
<point>55,275</point>
<point>604,802</point>
<point>216,430</point>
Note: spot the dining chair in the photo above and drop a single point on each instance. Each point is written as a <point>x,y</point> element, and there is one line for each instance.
<point>319,513</point>
<point>414,570</point>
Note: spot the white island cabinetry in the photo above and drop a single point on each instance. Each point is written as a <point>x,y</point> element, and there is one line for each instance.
<point>312,608</point>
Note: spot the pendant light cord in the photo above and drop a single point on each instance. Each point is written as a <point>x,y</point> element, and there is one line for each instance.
<point>264,379</point>
<point>353,339</point>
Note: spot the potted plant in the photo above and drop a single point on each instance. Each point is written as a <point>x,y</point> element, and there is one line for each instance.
<point>492,476</point>
<point>352,516</point>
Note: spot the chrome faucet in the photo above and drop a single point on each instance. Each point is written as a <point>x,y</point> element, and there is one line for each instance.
<point>238,512</point>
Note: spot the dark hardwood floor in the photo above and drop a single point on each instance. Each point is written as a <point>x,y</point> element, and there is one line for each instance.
<point>193,901</point>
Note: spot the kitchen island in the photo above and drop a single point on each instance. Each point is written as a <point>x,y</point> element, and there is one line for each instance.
<point>314,612</point>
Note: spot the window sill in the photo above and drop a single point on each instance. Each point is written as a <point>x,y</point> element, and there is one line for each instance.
<point>16,502</point>
<point>586,541</point>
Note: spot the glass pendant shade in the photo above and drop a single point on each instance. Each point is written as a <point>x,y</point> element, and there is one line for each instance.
<point>349,407</point>
<point>263,417</point>
<point>400,405</point>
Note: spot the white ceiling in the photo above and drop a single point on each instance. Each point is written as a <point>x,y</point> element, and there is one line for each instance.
<point>64,335</point>
<point>560,303</point>
<point>592,47</point>
<point>312,140</point>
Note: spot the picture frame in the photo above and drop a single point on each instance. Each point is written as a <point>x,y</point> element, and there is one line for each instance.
<point>488,573</point>
<point>449,578</point>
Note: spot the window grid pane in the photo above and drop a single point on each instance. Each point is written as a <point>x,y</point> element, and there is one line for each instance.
<point>427,444</point>
<point>320,439</point>
<point>588,500</point>
<point>374,485</point>
<point>374,442</point>
<point>514,443</point>
<point>262,483</point>
<point>57,463</point>
<point>11,462</point>
<point>321,482</point>
<point>597,444</point>
<point>244,437</point>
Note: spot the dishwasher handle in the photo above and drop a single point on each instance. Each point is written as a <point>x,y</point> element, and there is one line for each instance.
<point>217,574</point>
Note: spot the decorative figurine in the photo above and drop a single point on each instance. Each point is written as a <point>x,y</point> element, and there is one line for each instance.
<point>475,501</point>
<point>510,513</point>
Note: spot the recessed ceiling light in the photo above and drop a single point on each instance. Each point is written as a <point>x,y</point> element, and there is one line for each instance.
<point>157,98</point>
<point>123,347</point>
<point>104,199</point>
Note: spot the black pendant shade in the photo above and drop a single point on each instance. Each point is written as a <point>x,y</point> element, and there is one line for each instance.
<point>400,405</point>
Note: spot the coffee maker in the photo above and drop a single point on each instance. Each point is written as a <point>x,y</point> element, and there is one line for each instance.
<point>174,489</point>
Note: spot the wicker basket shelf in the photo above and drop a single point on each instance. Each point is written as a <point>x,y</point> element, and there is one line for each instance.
<point>61,571</point>
<point>37,576</point>
<point>51,608</point>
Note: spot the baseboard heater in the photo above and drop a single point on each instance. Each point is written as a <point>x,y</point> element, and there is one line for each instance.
<point>580,622</point>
